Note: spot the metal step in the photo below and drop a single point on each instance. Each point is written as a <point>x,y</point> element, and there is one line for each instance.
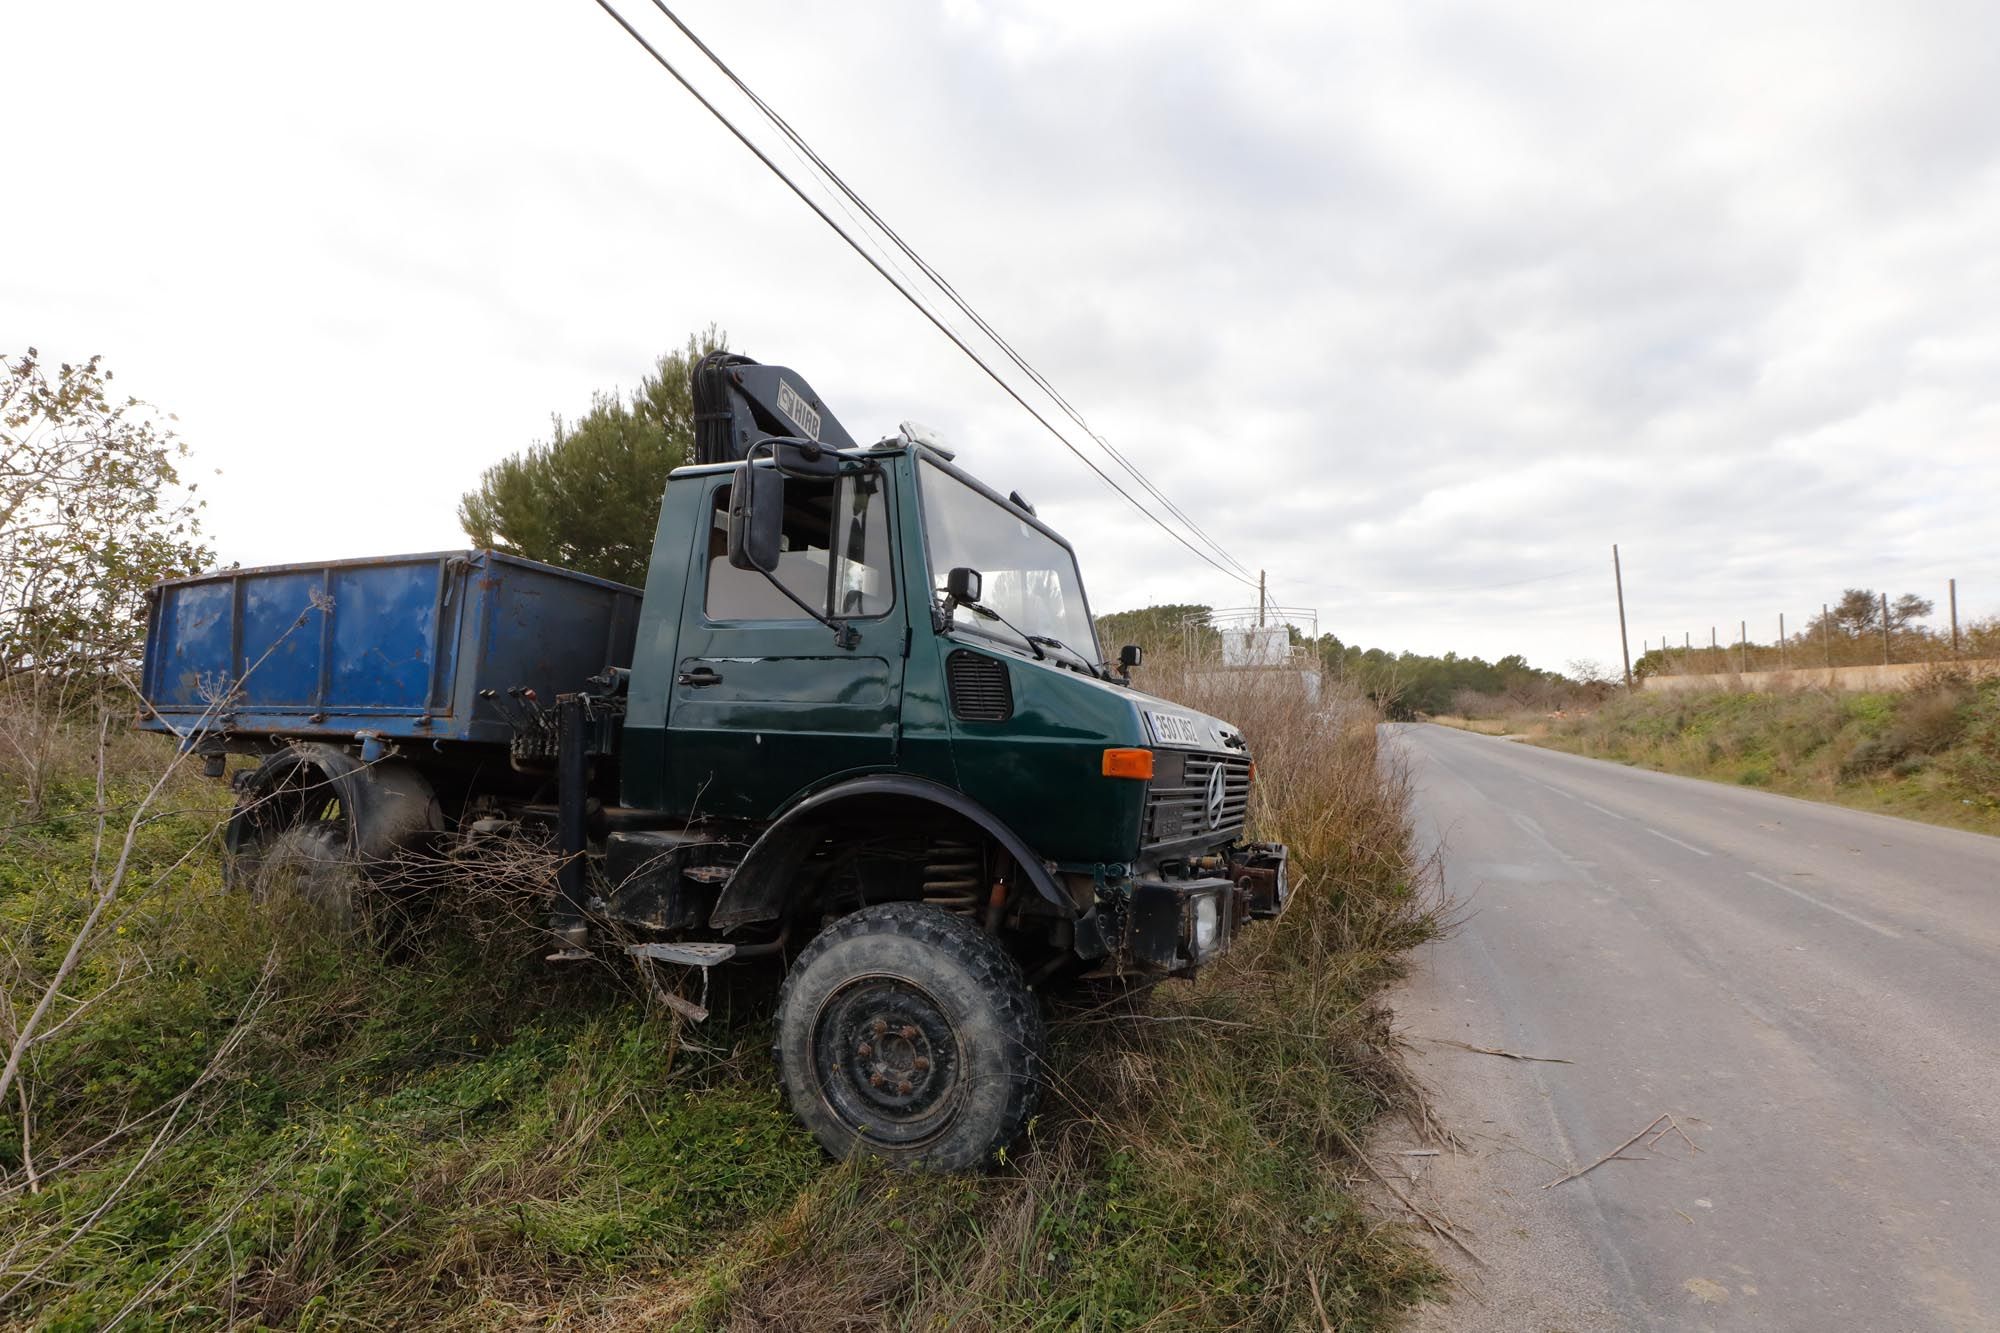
<point>687,955</point>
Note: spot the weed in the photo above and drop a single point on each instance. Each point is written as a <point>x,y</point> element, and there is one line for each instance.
<point>254,1122</point>
<point>1932,752</point>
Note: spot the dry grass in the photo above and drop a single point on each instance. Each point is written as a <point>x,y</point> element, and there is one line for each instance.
<point>1191,1167</point>
<point>459,1137</point>
<point>1930,752</point>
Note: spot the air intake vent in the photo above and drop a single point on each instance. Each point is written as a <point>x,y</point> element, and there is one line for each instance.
<point>980,689</point>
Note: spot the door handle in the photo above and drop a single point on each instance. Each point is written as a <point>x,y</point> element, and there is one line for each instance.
<point>699,677</point>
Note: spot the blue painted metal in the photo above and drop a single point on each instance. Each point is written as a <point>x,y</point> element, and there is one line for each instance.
<point>400,646</point>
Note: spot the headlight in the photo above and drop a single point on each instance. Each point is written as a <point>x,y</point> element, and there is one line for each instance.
<point>1207,924</point>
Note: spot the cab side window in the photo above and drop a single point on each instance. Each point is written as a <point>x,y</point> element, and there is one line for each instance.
<point>834,555</point>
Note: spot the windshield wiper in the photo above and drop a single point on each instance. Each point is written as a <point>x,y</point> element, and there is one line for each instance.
<point>1058,643</point>
<point>1034,643</point>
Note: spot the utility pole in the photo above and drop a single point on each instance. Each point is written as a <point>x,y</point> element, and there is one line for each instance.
<point>1687,653</point>
<point>1826,633</point>
<point>1781,640</point>
<point>1885,629</point>
<point>1954,617</point>
<point>1714,651</point>
<point>1743,645</point>
<point>1624,644</point>
<point>1260,599</point>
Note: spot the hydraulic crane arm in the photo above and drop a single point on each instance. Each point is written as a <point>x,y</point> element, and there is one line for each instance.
<point>740,403</point>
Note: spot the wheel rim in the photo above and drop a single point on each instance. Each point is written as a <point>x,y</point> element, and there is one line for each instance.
<point>887,1061</point>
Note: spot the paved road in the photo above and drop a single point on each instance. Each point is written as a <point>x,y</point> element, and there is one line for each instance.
<point>1813,993</point>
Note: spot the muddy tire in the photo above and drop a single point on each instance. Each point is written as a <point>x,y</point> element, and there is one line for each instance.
<point>310,864</point>
<point>907,1033</point>
<point>316,827</point>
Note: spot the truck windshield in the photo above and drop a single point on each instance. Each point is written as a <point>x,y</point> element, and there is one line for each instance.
<point>1028,576</point>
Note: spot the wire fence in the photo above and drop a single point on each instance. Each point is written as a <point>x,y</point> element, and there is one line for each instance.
<point>1844,634</point>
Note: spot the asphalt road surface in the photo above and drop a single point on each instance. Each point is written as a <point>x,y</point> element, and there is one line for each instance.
<point>1812,993</point>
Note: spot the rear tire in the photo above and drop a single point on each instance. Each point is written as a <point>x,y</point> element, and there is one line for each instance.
<point>310,863</point>
<point>316,826</point>
<point>907,1033</point>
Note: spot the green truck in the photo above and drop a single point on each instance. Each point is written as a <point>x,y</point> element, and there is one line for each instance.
<point>858,721</point>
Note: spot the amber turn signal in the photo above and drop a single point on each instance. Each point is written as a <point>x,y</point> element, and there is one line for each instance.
<point>1128,764</point>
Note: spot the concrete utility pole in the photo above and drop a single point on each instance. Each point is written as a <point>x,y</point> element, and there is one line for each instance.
<point>1714,651</point>
<point>1954,617</point>
<point>1826,633</point>
<point>1624,644</point>
<point>1781,640</point>
<point>1687,653</point>
<point>1743,644</point>
<point>1260,599</point>
<point>1885,629</point>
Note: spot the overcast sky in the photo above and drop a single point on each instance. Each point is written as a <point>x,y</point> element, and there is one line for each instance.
<point>1418,306</point>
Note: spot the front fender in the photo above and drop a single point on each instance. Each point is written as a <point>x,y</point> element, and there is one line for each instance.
<point>760,888</point>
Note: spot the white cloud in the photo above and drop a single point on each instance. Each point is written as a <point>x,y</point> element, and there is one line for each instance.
<point>1416,306</point>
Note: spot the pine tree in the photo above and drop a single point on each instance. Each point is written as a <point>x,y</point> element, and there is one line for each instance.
<point>589,497</point>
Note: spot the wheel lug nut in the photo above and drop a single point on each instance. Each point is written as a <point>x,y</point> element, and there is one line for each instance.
<point>875,1080</point>
<point>921,1063</point>
<point>880,1027</point>
<point>903,1088</point>
<point>864,1050</point>
<point>909,1032</point>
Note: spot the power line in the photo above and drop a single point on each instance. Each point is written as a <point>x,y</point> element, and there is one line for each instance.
<point>910,296</point>
<point>943,284</point>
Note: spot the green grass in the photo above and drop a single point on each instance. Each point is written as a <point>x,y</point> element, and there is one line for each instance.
<point>294,1132</point>
<point>1931,753</point>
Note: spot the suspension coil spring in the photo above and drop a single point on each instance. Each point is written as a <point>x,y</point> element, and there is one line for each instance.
<point>952,876</point>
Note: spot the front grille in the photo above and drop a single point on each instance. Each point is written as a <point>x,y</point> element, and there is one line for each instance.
<point>1178,808</point>
<point>980,688</point>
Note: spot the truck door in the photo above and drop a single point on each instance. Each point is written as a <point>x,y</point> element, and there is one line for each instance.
<point>764,703</point>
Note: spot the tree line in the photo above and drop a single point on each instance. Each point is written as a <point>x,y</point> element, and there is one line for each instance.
<point>1403,684</point>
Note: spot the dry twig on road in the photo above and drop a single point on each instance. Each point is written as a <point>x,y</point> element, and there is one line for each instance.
<point>1669,1127</point>
<point>1495,1050</point>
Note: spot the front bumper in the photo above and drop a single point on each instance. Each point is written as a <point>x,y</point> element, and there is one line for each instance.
<point>1262,878</point>
<point>1177,925</point>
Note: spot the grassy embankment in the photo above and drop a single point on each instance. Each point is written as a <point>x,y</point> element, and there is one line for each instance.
<point>1930,753</point>
<point>235,1120</point>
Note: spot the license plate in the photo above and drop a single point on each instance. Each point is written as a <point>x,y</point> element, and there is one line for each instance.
<point>1174,729</point>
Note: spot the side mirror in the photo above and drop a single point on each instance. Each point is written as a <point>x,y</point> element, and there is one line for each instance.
<point>1129,656</point>
<point>805,458</point>
<point>961,587</point>
<point>756,517</point>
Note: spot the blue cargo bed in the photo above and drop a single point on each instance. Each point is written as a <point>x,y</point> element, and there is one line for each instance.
<point>400,646</point>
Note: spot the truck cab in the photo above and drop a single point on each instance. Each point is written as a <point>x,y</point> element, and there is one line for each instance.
<point>864,725</point>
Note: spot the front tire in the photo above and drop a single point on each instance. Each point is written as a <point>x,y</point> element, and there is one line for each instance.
<point>909,1034</point>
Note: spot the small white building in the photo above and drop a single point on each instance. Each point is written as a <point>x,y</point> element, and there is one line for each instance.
<point>1256,645</point>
